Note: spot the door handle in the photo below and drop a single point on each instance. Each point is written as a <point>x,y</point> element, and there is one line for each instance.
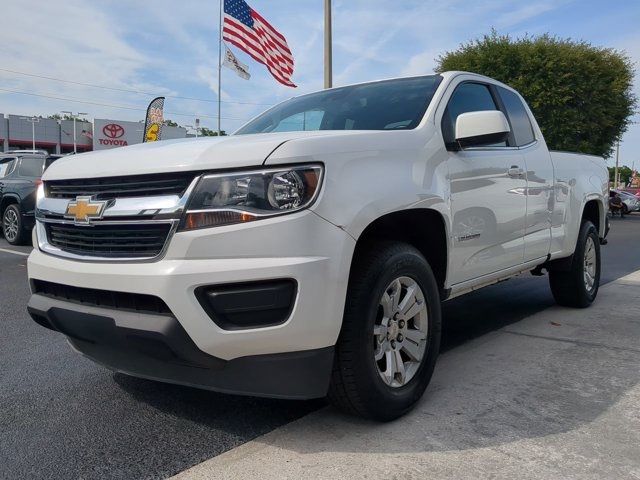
<point>515,171</point>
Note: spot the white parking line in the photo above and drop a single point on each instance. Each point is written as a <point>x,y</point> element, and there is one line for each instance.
<point>6,250</point>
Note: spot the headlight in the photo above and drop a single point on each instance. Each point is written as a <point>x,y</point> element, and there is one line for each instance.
<point>39,191</point>
<point>228,198</point>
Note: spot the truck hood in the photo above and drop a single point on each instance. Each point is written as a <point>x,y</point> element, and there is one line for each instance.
<point>208,153</point>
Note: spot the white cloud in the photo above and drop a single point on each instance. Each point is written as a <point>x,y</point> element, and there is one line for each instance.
<point>172,49</point>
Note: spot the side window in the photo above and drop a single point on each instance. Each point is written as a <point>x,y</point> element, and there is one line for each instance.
<point>518,117</point>
<point>467,97</point>
<point>31,167</point>
<point>6,167</point>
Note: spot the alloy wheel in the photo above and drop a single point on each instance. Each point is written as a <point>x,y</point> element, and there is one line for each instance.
<point>590,265</point>
<point>400,332</point>
<point>10,225</point>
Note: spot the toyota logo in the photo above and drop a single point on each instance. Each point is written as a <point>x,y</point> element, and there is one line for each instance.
<point>113,130</point>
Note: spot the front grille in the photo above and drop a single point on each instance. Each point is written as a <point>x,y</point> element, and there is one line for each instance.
<point>110,241</point>
<point>101,298</point>
<point>120,187</point>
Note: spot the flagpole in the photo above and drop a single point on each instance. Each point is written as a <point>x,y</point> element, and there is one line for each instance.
<point>328,54</point>
<point>220,66</point>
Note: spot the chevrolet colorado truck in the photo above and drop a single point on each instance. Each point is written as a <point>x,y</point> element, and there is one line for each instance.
<point>308,254</point>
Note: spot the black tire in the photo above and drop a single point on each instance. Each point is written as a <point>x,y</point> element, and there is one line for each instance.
<point>12,218</point>
<point>569,285</point>
<point>356,385</point>
<point>625,209</point>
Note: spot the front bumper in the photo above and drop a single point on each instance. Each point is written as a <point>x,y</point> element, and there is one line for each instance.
<point>158,348</point>
<point>302,247</point>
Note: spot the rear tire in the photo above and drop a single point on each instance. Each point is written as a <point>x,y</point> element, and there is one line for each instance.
<point>12,226</point>
<point>390,336</point>
<point>578,286</point>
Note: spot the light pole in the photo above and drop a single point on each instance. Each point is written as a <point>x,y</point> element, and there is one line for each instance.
<point>328,54</point>
<point>191,127</point>
<point>196,127</point>
<point>615,172</point>
<point>33,120</point>
<point>75,117</point>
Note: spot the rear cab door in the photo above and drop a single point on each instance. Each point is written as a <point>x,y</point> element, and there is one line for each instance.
<point>539,175</point>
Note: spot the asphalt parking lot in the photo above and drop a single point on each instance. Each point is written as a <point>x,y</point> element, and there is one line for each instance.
<point>61,416</point>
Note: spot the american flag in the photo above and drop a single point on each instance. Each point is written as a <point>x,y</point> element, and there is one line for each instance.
<point>246,29</point>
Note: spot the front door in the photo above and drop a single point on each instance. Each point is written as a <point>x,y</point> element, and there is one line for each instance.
<point>488,194</point>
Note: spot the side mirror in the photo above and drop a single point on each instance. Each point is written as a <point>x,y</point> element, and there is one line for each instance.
<point>486,127</point>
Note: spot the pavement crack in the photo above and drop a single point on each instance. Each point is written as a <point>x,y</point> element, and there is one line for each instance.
<point>580,343</point>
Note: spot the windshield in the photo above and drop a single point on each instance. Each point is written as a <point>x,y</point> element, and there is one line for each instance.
<point>388,105</point>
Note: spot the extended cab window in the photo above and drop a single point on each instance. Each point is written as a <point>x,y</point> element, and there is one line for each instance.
<point>31,166</point>
<point>518,117</point>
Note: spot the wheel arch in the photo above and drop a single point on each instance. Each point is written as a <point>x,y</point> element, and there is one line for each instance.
<point>8,199</point>
<point>594,211</point>
<point>424,228</point>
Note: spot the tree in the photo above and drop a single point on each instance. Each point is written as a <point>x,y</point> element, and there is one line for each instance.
<point>207,132</point>
<point>66,116</point>
<point>581,95</point>
<point>170,123</point>
<point>624,174</point>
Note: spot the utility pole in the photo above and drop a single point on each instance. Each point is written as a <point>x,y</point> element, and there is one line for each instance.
<point>195,127</point>
<point>33,120</point>
<point>220,66</point>
<point>615,173</point>
<point>328,53</point>
<point>74,116</point>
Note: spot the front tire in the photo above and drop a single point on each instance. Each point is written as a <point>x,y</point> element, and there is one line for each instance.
<point>578,286</point>
<point>12,227</point>
<point>390,336</point>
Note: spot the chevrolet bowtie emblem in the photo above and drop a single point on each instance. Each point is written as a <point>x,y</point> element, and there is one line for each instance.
<point>83,209</point>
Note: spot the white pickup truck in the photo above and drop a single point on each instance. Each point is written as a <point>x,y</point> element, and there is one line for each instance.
<point>307,254</point>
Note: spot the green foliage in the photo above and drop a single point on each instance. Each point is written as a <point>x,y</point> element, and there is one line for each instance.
<point>170,123</point>
<point>66,116</point>
<point>624,173</point>
<point>581,95</point>
<point>207,132</point>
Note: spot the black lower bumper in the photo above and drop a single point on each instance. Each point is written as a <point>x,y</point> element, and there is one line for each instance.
<point>158,348</point>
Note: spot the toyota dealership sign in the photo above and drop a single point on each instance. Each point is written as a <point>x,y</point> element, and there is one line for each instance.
<point>116,133</point>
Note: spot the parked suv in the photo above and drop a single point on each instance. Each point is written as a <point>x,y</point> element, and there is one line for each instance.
<point>20,173</point>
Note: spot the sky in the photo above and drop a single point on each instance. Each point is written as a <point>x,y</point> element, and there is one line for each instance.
<point>170,48</point>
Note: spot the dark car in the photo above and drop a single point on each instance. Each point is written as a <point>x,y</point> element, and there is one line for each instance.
<point>20,174</point>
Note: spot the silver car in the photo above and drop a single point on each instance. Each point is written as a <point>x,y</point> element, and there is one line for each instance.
<point>631,202</point>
